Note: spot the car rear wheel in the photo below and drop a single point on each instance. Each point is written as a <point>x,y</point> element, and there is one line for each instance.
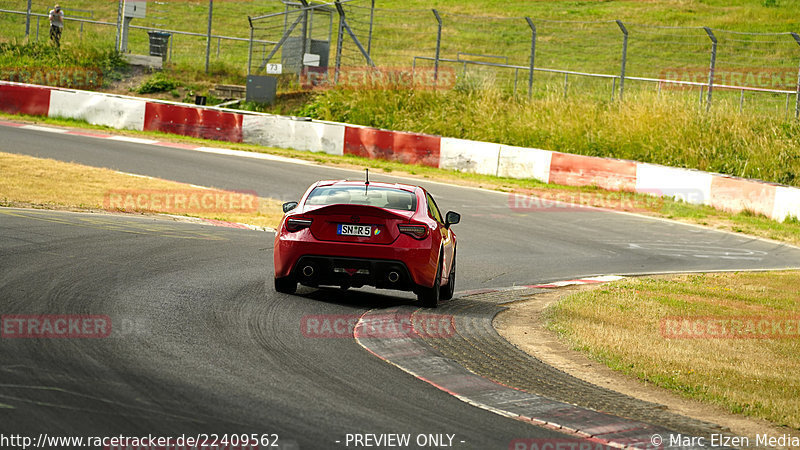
<point>446,292</point>
<point>429,296</point>
<point>286,285</point>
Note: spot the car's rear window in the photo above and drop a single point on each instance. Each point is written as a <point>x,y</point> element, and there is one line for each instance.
<point>381,197</point>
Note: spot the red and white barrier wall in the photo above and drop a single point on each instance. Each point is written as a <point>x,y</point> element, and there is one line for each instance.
<point>122,112</point>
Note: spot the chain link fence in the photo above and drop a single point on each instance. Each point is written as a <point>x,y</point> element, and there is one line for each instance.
<point>346,42</point>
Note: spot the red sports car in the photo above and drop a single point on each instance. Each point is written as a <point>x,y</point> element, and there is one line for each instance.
<point>357,233</point>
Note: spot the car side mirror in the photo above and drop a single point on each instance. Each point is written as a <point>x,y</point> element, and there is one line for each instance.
<point>451,218</point>
<point>288,206</point>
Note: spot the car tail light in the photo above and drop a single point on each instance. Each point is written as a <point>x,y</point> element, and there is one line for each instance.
<point>297,224</point>
<point>415,231</point>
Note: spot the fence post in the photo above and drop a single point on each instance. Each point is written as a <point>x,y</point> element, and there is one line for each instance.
<point>119,24</point>
<point>533,55</point>
<point>250,47</point>
<point>208,36</point>
<point>797,92</point>
<point>624,58</point>
<point>339,40</point>
<point>711,68</point>
<point>28,20</point>
<point>438,46</point>
<point>371,19</point>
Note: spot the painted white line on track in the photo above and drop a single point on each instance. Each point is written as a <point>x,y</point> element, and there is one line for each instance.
<point>253,155</point>
<point>47,129</point>
<point>131,139</point>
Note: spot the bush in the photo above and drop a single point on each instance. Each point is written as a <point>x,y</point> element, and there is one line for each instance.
<point>158,82</point>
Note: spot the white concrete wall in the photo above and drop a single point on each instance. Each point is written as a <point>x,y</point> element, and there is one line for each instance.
<point>521,162</point>
<point>284,132</point>
<point>469,156</point>
<point>98,109</point>
<point>691,186</point>
<point>787,203</point>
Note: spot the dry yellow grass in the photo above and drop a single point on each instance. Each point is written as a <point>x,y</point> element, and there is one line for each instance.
<point>46,183</point>
<point>621,325</point>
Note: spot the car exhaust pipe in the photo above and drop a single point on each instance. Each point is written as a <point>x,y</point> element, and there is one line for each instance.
<point>308,271</point>
<point>394,277</point>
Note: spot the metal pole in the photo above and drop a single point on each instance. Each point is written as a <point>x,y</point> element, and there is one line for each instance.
<point>741,100</point>
<point>624,58</point>
<point>786,113</point>
<point>533,56</point>
<point>304,33</point>
<point>613,87</point>
<point>208,35</point>
<point>119,24</point>
<point>438,46</point>
<point>371,19</point>
<point>797,92</point>
<point>713,64</point>
<point>28,20</point>
<point>250,48</point>
<point>339,39</point>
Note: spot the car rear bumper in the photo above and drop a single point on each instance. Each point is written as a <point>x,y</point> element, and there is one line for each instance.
<point>333,263</point>
<point>315,270</point>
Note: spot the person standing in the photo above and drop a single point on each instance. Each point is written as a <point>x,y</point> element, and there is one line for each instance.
<point>56,24</point>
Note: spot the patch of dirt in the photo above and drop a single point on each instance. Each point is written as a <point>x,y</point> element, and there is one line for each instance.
<point>522,324</point>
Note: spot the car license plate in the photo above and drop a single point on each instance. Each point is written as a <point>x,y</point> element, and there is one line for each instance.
<point>354,230</point>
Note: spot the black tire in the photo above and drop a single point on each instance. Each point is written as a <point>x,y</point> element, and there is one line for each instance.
<point>446,292</point>
<point>429,296</point>
<point>286,285</point>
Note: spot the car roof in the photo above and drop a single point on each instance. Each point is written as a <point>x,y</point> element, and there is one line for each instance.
<point>405,187</point>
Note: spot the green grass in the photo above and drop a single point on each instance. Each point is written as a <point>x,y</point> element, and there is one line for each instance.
<point>42,63</point>
<point>620,325</point>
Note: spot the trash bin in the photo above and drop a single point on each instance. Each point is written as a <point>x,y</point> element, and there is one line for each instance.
<point>159,42</point>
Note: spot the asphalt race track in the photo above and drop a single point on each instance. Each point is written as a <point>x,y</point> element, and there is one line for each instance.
<point>202,344</point>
